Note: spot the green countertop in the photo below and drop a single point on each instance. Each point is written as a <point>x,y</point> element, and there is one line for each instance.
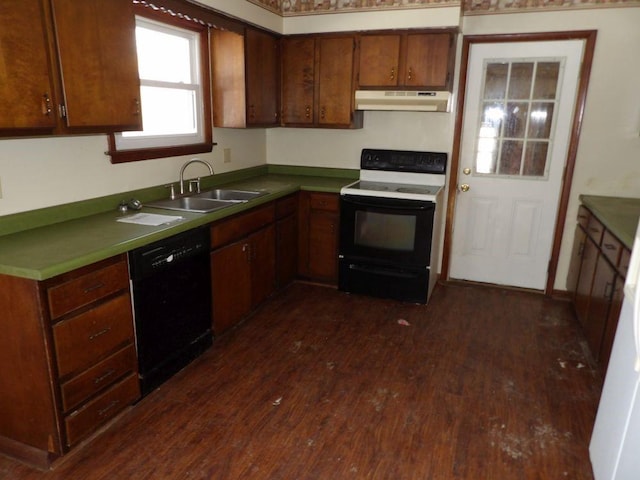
<point>619,214</point>
<point>46,251</point>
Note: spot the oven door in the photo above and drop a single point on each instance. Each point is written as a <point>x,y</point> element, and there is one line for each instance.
<point>386,231</point>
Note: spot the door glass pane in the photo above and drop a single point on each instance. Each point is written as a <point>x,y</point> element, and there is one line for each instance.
<point>516,120</point>
<point>540,120</point>
<point>546,82</point>
<point>511,157</point>
<point>520,81</point>
<point>535,159</point>
<point>516,117</point>
<point>495,85</point>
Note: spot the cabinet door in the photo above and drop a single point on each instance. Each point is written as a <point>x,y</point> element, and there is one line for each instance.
<point>286,250</point>
<point>298,80</point>
<point>379,60</point>
<point>335,96</point>
<point>585,281</point>
<point>603,282</point>
<point>427,60</point>
<point>263,264</point>
<point>230,284</point>
<point>323,246</point>
<point>26,88</point>
<point>228,79</point>
<point>262,78</point>
<point>612,322</point>
<point>576,261</point>
<point>97,55</point>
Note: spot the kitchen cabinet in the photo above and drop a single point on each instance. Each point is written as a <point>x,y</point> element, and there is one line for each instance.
<point>263,78</point>
<point>245,78</point>
<point>286,240</point>
<point>318,248</point>
<point>242,265</point>
<point>81,370</point>
<point>318,75</point>
<point>27,93</point>
<point>73,67</point>
<point>598,270</point>
<point>407,59</point>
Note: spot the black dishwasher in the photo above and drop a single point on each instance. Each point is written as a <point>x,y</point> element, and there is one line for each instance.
<point>171,286</point>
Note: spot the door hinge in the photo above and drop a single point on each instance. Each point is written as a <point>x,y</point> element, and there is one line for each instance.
<point>62,111</point>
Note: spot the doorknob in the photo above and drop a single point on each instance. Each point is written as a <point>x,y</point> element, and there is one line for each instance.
<point>464,187</point>
<point>466,171</point>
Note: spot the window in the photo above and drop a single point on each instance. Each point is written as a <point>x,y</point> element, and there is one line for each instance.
<point>173,92</point>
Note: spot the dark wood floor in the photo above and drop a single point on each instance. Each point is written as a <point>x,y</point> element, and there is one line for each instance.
<point>483,384</point>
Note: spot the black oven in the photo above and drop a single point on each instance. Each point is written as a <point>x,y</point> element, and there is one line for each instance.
<point>385,246</point>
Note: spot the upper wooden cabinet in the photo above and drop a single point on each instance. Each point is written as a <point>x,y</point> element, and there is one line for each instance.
<point>98,62</point>
<point>263,78</point>
<point>410,59</point>
<point>27,92</point>
<point>68,66</point>
<point>318,81</point>
<point>245,78</point>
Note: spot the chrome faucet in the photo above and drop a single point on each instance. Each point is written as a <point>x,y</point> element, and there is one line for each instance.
<point>184,167</point>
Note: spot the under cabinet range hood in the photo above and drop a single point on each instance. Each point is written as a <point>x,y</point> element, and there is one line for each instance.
<point>411,101</point>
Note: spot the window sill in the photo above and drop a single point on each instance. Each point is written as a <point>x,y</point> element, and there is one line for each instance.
<point>123,156</point>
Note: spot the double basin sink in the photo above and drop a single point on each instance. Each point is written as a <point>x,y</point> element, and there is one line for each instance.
<point>207,201</point>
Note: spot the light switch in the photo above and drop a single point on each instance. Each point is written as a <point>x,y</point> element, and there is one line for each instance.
<point>227,155</point>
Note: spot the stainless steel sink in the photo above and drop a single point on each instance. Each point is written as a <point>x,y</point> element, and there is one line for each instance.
<point>208,201</point>
<point>191,204</point>
<point>229,195</point>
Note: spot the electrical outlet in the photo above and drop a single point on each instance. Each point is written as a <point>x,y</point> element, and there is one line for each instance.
<point>227,155</point>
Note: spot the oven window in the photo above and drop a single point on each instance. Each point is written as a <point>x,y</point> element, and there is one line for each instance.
<point>385,231</point>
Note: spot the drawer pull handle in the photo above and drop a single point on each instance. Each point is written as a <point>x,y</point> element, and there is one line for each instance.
<point>102,378</point>
<point>609,246</point>
<point>108,407</point>
<point>608,289</point>
<point>93,287</point>
<point>100,333</point>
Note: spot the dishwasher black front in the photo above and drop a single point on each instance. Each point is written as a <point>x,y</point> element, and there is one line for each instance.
<point>171,285</point>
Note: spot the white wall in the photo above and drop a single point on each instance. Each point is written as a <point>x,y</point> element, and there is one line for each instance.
<point>41,172</point>
<point>608,160</point>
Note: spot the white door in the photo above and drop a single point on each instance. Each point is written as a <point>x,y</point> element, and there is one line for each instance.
<point>518,113</point>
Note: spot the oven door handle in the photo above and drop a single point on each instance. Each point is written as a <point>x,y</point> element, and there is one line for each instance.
<point>404,206</point>
<point>387,272</point>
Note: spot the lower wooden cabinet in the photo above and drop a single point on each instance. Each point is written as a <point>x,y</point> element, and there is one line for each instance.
<point>318,248</point>
<point>286,240</point>
<point>81,368</point>
<point>242,265</point>
<point>596,279</point>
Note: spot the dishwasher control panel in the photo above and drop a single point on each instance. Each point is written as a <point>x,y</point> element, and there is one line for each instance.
<point>159,255</point>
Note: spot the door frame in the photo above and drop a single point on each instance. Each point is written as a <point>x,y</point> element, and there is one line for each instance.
<point>589,37</point>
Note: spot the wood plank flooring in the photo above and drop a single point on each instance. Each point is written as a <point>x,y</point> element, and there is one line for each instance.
<point>482,384</point>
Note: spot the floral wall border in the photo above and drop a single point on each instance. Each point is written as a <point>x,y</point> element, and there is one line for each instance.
<point>287,8</point>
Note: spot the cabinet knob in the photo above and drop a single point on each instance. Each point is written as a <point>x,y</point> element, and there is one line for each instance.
<point>307,111</point>
<point>393,73</point>
<point>136,106</point>
<point>410,73</point>
<point>323,113</point>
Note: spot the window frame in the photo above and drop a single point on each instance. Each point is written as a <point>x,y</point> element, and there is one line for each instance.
<point>148,153</point>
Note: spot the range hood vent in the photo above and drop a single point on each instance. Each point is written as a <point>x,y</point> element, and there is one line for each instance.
<point>412,101</point>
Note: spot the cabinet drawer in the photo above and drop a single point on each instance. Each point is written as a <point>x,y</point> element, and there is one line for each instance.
<point>611,247</point>
<point>324,201</point>
<point>286,206</point>
<point>241,225</point>
<point>583,216</point>
<point>82,340</point>
<point>88,383</point>
<point>87,288</point>
<point>595,229</point>
<point>623,264</point>
<point>100,410</point>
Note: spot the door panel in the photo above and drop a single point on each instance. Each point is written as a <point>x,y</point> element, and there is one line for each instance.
<point>519,107</point>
